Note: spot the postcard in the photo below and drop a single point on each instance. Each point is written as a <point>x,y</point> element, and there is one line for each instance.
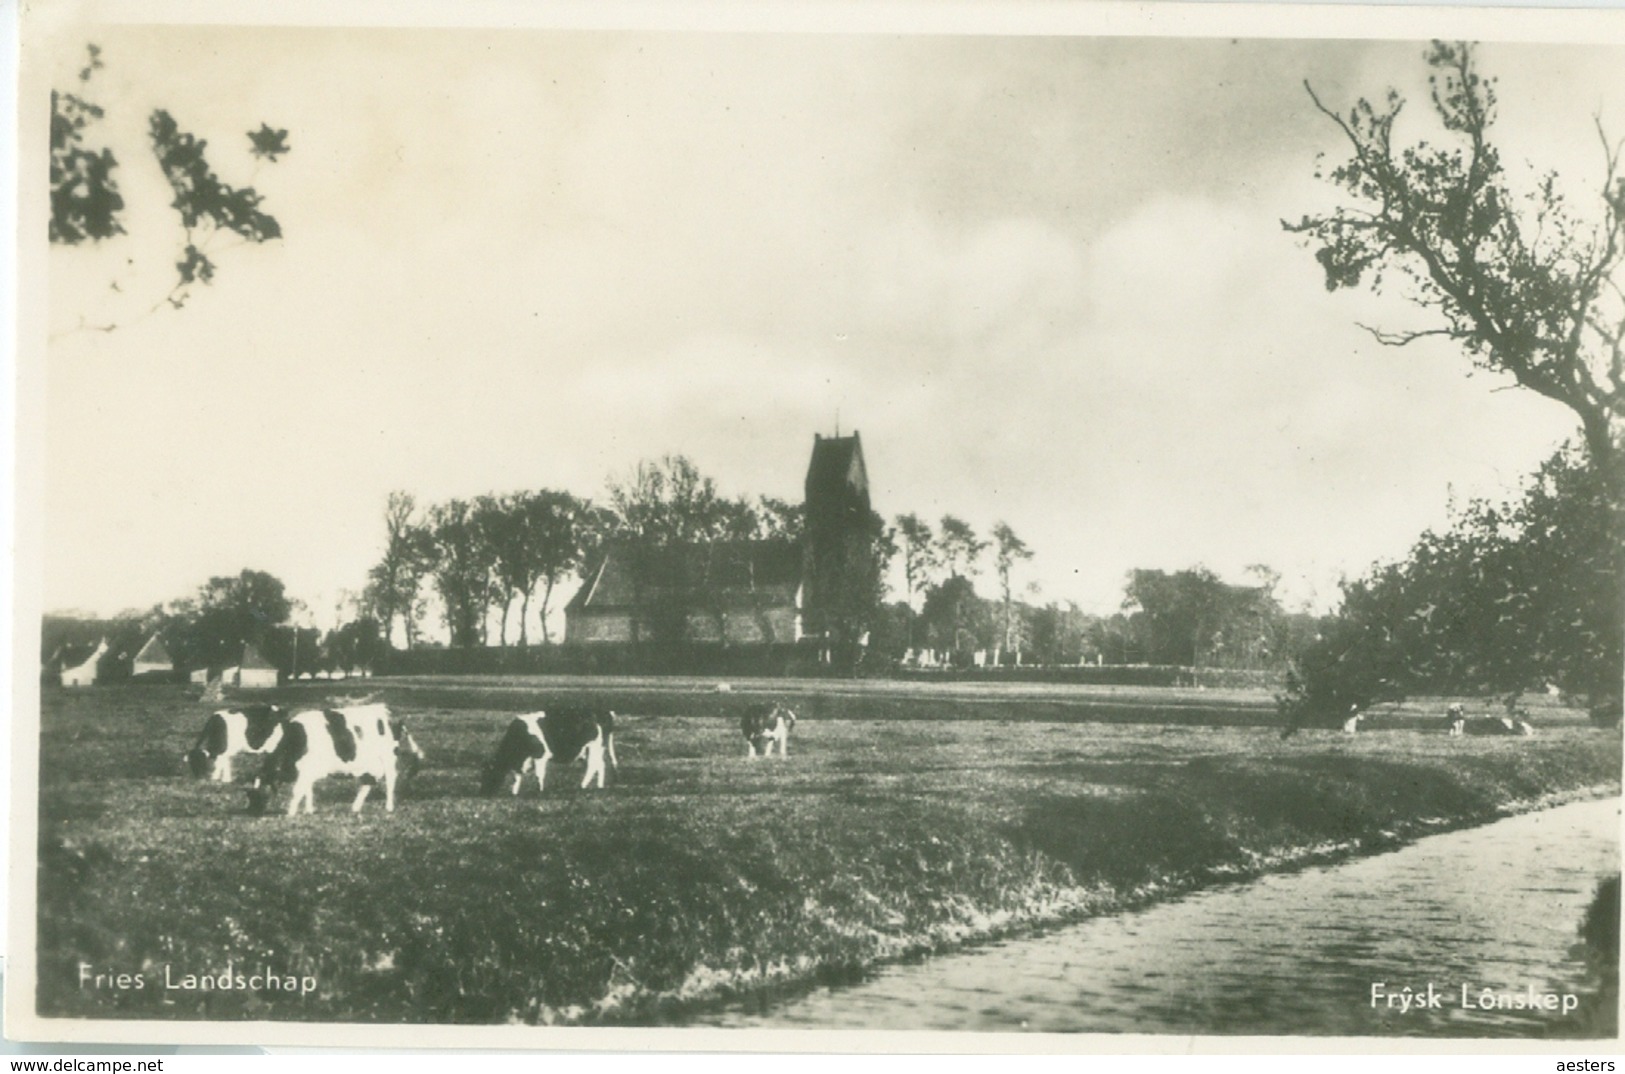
<point>819,527</point>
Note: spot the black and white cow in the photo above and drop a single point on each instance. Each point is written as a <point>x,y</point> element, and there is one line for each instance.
<point>1500,725</point>
<point>362,741</point>
<point>231,733</point>
<point>1352,722</point>
<point>767,725</point>
<point>563,735</point>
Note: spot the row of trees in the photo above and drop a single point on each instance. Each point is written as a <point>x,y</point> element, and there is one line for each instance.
<point>939,567</point>
<point>479,554</point>
<point>484,557</point>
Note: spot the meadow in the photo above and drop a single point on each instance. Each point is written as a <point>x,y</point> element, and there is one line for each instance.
<point>905,821</point>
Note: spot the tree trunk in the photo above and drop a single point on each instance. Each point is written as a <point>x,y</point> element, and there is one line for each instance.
<point>547,594</point>
<point>524,621</point>
<point>1005,642</point>
<point>1597,425</point>
<point>1607,451</point>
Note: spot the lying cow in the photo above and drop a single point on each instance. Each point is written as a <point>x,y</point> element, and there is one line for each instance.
<point>253,730</point>
<point>362,741</point>
<point>564,735</point>
<point>1500,725</point>
<point>765,726</point>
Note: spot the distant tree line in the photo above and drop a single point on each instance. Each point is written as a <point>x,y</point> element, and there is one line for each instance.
<point>209,630</point>
<point>1187,618</point>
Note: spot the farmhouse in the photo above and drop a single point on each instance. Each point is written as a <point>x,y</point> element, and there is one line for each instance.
<point>734,592</point>
<point>255,672</point>
<point>84,673</point>
<point>153,659</point>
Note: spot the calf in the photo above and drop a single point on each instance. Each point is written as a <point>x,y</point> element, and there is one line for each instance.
<point>764,726</point>
<point>360,741</point>
<point>565,735</point>
<point>230,733</point>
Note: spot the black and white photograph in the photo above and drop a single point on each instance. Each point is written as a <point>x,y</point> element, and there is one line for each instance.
<point>543,524</point>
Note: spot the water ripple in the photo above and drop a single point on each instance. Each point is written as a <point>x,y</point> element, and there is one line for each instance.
<point>1494,907</point>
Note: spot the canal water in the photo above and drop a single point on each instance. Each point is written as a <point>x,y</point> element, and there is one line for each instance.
<point>1496,908</point>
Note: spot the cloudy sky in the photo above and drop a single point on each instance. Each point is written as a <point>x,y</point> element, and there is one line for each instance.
<point>1044,277</point>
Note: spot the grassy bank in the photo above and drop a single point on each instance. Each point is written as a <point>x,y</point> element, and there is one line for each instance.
<point>696,875</point>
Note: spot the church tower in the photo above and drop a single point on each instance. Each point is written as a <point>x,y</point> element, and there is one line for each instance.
<point>840,575</point>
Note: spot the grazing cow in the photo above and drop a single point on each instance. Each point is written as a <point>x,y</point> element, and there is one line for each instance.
<point>1497,726</point>
<point>230,733</point>
<point>564,735</point>
<point>763,726</point>
<point>1508,725</point>
<point>361,741</point>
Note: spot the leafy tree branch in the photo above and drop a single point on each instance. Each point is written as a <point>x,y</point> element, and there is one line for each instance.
<point>88,207</point>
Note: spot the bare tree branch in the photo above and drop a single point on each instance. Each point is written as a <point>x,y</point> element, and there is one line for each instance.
<point>1525,284</point>
<point>1400,339</point>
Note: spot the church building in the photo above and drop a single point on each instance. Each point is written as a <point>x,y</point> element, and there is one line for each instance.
<point>737,592</point>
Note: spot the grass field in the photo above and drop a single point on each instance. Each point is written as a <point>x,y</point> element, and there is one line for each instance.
<point>904,821</point>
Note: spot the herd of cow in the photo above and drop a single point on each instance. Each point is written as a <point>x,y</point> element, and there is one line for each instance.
<point>363,741</point>
<point>1458,723</point>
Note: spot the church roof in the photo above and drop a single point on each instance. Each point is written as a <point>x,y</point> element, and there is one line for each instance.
<point>722,573</point>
